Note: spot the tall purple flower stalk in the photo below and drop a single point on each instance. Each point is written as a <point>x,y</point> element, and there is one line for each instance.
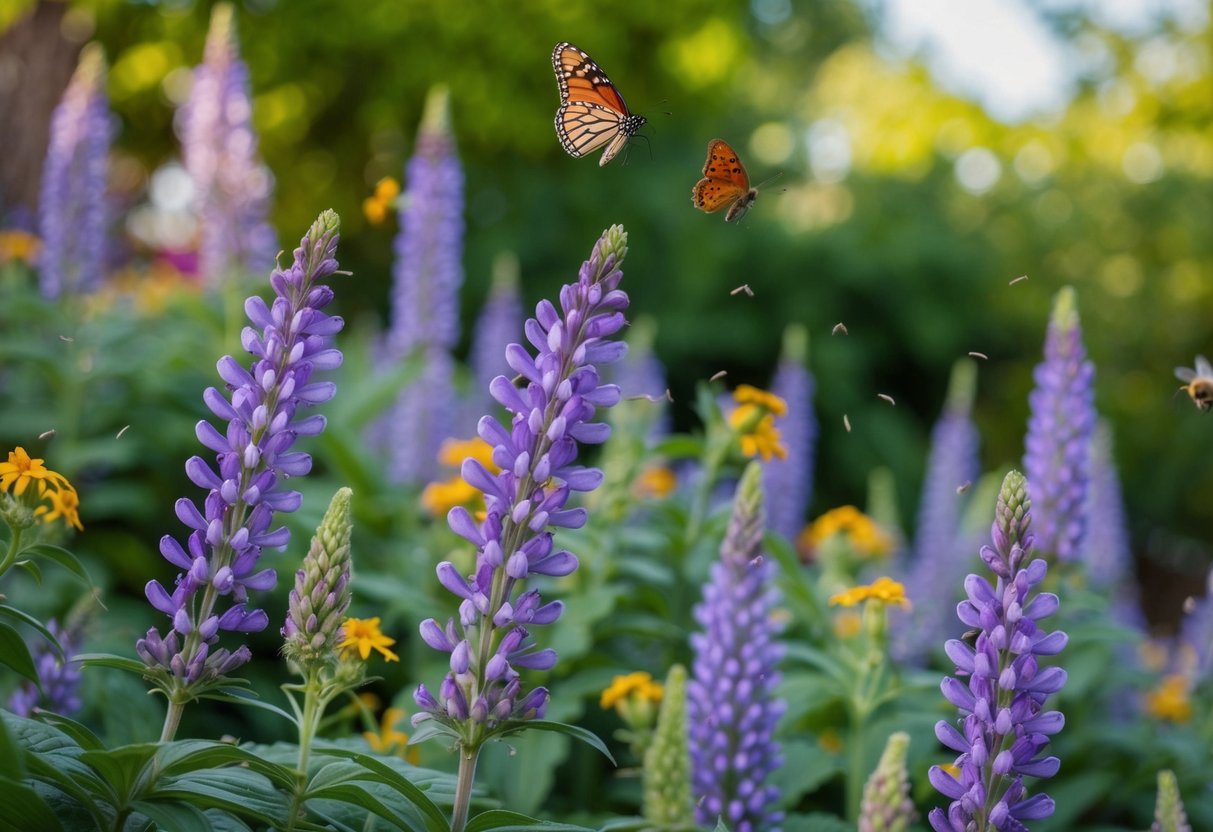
<point>537,453</point>
<point>73,210</point>
<point>1196,635</point>
<point>232,187</point>
<point>732,709</point>
<point>939,555</point>
<point>425,292</point>
<point>499,323</point>
<point>290,340</point>
<point>1106,549</point>
<point>1057,449</point>
<point>60,677</point>
<point>789,482</point>
<point>1004,729</point>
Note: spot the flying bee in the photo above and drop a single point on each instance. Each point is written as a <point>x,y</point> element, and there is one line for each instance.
<point>1198,383</point>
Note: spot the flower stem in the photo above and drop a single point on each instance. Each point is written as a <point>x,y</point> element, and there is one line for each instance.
<point>14,546</point>
<point>172,718</point>
<point>463,787</point>
<point>313,709</point>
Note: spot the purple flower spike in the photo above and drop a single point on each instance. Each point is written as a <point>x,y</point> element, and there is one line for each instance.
<point>537,455</point>
<point>73,215</point>
<point>789,482</point>
<point>1004,729</point>
<point>731,707</point>
<point>940,557</point>
<point>425,295</point>
<point>60,679</point>
<point>232,187</point>
<point>1057,453</point>
<point>499,323</point>
<point>290,340</point>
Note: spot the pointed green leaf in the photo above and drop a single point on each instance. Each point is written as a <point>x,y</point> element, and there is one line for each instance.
<point>110,660</point>
<point>502,820</point>
<point>357,795</point>
<point>238,790</point>
<point>32,568</point>
<point>85,738</point>
<point>575,731</point>
<point>15,653</point>
<point>433,817</point>
<point>60,556</point>
<point>178,816</point>
<point>121,767</point>
<point>25,618</point>
<point>24,810</point>
<point>236,696</point>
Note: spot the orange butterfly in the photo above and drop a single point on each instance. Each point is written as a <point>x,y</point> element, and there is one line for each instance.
<point>592,112</point>
<point>724,181</point>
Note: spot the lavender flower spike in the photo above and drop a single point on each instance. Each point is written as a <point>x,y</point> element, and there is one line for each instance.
<point>1004,729</point>
<point>789,482</point>
<point>731,706</point>
<point>72,213</point>
<point>1057,449</point>
<point>290,341</point>
<point>219,150</point>
<point>425,293</point>
<point>939,550</point>
<point>537,454</point>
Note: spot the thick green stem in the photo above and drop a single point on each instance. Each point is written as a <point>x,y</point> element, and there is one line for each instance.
<point>463,787</point>
<point>14,546</point>
<point>171,720</point>
<point>313,709</point>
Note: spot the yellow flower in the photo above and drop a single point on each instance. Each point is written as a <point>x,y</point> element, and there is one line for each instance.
<point>21,470</point>
<point>885,590</point>
<point>387,189</point>
<point>847,624</point>
<point>1170,700</point>
<point>64,504</point>
<point>389,740</point>
<point>363,634</point>
<point>760,436</point>
<point>453,452</point>
<point>438,498</point>
<point>19,245</point>
<point>638,685</point>
<point>377,206</point>
<point>747,394</point>
<point>656,482</point>
<point>864,537</point>
<point>374,210</point>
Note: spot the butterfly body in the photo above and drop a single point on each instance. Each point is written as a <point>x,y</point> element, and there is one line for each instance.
<point>725,182</point>
<point>592,113</point>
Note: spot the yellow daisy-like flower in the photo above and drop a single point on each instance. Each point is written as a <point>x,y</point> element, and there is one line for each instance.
<point>638,685</point>
<point>761,437</point>
<point>1170,700</point>
<point>885,590</point>
<point>377,206</point>
<point>862,533</point>
<point>390,740</point>
<point>65,504</point>
<point>437,498</point>
<point>387,189</point>
<point>374,210</point>
<point>655,482</point>
<point>21,470</point>
<point>453,452</point>
<point>19,245</point>
<point>362,635</point>
<point>747,394</point>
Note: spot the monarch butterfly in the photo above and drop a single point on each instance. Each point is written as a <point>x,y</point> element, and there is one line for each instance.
<point>592,112</point>
<point>724,181</point>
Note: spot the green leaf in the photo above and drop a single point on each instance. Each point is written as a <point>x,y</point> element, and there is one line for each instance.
<point>24,810</point>
<point>54,758</point>
<point>111,660</point>
<point>429,729</point>
<point>32,568</point>
<point>26,618</point>
<point>85,738</point>
<point>357,795</point>
<point>432,817</point>
<point>575,731</point>
<point>10,756</point>
<point>506,821</point>
<point>60,556</point>
<point>816,822</point>
<point>121,767</point>
<point>179,817</point>
<point>236,696</point>
<point>238,790</point>
<point>184,756</point>
<point>15,654</point>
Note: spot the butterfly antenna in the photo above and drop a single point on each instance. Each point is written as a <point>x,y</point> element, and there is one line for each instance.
<point>647,144</point>
<point>764,182</point>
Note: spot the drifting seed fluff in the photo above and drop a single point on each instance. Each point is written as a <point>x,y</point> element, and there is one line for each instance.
<point>788,483</point>
<point>526,501</point>
<point>1004,729</point>
<point>290,340</point>
<point>940,557</point>
<point>731,705</point>
<point>426,278</point>
<point>1057,449</point>
<point>72,210</point>
<point>232,186</point>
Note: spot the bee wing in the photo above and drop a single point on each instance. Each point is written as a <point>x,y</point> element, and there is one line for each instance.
<point>1202,366</point>
<point>1185,374</point>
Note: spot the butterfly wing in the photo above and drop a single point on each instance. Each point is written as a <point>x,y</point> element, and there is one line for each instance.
<point>725,180</point>
<point>592,113</point>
